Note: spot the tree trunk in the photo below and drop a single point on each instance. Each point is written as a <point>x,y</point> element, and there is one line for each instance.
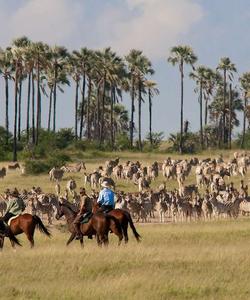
<point>33,109</point>
<point>98,114</point>
<point>19,108</point>
<point>54,107</point>
<point>15,116</point>
<point>103,111</point>
<point>139,115</point>
<point>244,122</point>
<point>131,125</point>
<point>7,108</point>
<point>50,107</point>
<point>201,112</point>
<point>83,104</point>
<point>112,116</point>
<point>76,107</point>
<point>224,107</point>
<point>150,117</point>
<point>38,103</point>
<point>28,109</point>
<point>88,108</point>
<point>230,118</point>
<point>182,89</point>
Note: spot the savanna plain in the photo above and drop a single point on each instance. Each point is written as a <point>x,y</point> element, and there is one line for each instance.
<point>194,260</point>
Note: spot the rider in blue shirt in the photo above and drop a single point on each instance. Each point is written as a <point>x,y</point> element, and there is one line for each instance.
<point>106,199</point>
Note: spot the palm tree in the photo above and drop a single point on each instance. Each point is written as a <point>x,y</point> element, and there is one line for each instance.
<point>139,66</point>
<point>152,90</point>
<point>231,109</point>
<point>22,43</point>
<point>6,69</point>
<point>182,55</point>
<point>57,60</point>
<point>228,68</point>
<point>17,63</point>
<point>245,84</point>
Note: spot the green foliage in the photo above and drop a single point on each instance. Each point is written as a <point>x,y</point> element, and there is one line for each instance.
<point>122,141</point>
<point>56,159</point>
<point>157,138</point>
<point>247,140</point>
<point>191,143</point>
<point>35,167</point>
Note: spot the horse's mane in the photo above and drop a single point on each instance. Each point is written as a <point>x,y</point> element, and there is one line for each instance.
<point>70,206</point>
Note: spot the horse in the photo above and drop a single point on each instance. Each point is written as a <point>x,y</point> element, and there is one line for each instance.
<point>99,225</point>
<point>5,232</point>
<point>26,223</point>
<point>123,217</point>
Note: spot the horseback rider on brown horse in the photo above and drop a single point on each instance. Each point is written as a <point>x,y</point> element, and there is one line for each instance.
<point>84,212</point>
<point>15,205</point>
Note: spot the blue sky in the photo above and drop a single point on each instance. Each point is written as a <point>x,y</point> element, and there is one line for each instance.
<point>214,28</point>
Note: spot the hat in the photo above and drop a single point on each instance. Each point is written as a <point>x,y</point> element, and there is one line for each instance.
<point>14,193</point>
<point>105,184</point>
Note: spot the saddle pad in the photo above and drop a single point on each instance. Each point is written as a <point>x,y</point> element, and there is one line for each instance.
<point>86,217</point>
<point>12,218</point>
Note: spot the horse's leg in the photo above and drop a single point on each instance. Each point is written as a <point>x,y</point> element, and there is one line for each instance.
<point>81,242</point>
<point>98,240</point>
<point>71,238</point>
<point>125,232</point>
<point>30,237</point>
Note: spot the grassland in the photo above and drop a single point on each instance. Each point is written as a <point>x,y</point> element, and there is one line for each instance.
<point>205,260</point>
<point>182,261</point>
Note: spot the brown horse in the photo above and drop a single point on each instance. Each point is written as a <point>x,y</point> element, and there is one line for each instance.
<point>123,217</point>
<point>99,225</point>
<point>27,224</point>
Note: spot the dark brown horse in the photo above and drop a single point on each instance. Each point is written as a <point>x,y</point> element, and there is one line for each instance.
<point>123,217</point>
<point>99,225</point>
<point>5,232</point>
<point>27,224</point>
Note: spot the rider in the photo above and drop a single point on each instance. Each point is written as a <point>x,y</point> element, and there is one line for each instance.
<point>15,205</point>
<point>85,208</point>
<point>106,199</point>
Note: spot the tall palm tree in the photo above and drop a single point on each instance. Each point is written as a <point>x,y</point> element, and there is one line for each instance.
<point>182,55</point>
<point>17,63</point>
<point>139,67</point>
<point>6,69</point>
<point>227,68</point>
<point>245,85</point>
<point>22,43</point>
<point>57,59</point>
<point>132,62</point>
<point>152,90</point>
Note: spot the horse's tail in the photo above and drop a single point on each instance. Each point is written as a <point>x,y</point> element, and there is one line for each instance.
<point>132,226</point>
<point>117,223</point>
<point>41,226</point>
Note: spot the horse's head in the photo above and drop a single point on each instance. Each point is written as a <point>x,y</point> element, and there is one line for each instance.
<point>59,210</point>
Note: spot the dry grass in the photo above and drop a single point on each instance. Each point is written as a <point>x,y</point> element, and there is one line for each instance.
<point>183,261</point>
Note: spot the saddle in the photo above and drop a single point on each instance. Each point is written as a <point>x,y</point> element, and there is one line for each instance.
<point>107,210</point>
<point>86,217</point>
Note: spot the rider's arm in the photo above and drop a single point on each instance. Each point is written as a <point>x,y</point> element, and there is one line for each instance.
<point>9,205</point>
<point>100,198</point>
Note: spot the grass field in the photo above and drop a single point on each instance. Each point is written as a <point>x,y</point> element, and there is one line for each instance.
<point>182,261</point>
<point>205,260</point>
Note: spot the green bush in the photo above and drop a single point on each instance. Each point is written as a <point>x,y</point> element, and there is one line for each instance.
<point>122,142</point>
<point>35,167</point>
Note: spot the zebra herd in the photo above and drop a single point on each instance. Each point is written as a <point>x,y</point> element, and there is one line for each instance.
<point>213,195</point>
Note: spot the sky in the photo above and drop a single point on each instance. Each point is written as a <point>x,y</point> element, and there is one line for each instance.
<point>213,28</point>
